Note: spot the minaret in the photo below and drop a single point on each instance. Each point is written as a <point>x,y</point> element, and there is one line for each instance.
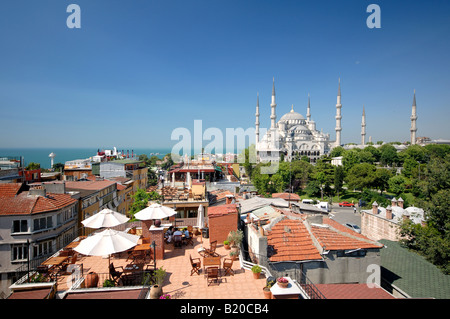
<point>257,119</point>
<point>273,105</point>
<point>363,128</point>
<point>338,116</point>
<point>413,120</point>
<point>308,111</point>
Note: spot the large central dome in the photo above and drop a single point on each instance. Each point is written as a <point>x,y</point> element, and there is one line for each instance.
<point>292,115</point>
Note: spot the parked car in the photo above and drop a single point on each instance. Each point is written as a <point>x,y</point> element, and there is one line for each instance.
<point>346,204</point>
<point>354,227</point>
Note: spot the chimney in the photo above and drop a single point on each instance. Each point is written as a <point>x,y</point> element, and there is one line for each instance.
<point>375,208</point>
<point>400,202</point>
<point>229,199</point>
<point>394,202</point>
<point>389,212</point>
<point>261,230</point>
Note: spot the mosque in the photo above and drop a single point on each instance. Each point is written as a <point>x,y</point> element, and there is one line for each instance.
<point>295,137</point>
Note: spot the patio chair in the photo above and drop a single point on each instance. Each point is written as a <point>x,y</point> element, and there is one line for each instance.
<point>211,251</point>
<point>177,241</point>
<point>227,264</point>
<point>190,239</point>
<point>45,271</point>
<point>212,274</point>
<point>196,263</point>
<point>72,260</point>
<point>114,274</point>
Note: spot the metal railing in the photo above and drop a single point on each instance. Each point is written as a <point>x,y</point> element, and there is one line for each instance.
<point>295,273</point>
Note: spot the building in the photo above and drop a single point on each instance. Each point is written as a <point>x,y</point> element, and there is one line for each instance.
<point>94,195</point>
<point>293,135</point>
<point>383,223</point>
<point>34,224</point>
<point>313,246</point>
<point>221,221</point>
<point>129,168</point>
<point>77,169</point>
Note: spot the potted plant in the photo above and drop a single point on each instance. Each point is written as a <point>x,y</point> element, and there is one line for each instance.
<point>108,283</point>
<point>266,289</point>
<point>256,270</point>
<point>235,238</point>
<point>233,254</point>
<point>226,244</point>
<point>165,296</point>
<point>91,280</point>
<point>282,282</point>
<point>156,290</point>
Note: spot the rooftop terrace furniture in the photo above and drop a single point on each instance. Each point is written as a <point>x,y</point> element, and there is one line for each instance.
<point>212,275</point>
<point>114,274</point>
<point>227,264</point>
<point>196,263</point>
<point>177,241</point>
<point>209,252</point>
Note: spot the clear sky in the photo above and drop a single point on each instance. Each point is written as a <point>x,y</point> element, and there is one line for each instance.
<point>136,70</point>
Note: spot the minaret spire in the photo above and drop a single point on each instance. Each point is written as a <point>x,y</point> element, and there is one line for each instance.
<point>363,128</point>
<point>273,105</point>
<point>413,120</point>
<point>338,116</point>
<point>308,110</point>
<point>257,119</point>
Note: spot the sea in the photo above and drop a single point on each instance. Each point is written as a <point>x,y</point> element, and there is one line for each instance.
<point>62,155</point>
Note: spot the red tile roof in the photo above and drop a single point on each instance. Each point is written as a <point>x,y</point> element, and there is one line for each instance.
<point>215,211</point>
<point>339,237</point>
<point>9,189</point>
<point>353,291</point>
<point>23,204</point>
<point>89,185</point>
<point>291,241</point>
<point>286,196</point>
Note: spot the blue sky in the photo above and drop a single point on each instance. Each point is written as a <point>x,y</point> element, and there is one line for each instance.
<point>136,70</point>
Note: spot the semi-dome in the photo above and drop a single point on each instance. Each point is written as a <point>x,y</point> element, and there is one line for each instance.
<point>300,130</point>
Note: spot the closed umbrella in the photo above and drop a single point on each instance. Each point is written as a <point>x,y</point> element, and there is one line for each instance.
<point>155,211</point>
<point>105,218</point>
<point>200,217</point>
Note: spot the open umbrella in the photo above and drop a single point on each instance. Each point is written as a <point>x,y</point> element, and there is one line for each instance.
<point>105,218</point>
<point>107,242</point>
<point>155,211</point>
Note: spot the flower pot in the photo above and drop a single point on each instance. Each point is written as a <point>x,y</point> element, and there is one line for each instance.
<point>283,284</point>
<point>256,275</point>
<point>155,292</point>
<point>267,293</point>
<point>227,247</point>
<point>91,280</point>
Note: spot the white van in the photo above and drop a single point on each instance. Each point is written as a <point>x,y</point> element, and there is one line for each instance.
<point>325,206</point>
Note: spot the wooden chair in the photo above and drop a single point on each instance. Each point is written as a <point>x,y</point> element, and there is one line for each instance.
<point>227,264</point>
<point>196,264</point>
<point>177,241</point>
<point>114,274</point>
<point>145,240</point>
<point>45,271</point>
<point>190,239</point>
<point>72,260</point>
<point>209,252</point>
<point>212,274</point>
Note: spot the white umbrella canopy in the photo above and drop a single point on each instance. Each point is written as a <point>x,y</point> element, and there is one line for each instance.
<point>155,211</point>
<point>200,217</point>
<point>107,242</point>
<point>105,218</point>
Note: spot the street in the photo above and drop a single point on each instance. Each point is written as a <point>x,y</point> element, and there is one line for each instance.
<point>345,215</point>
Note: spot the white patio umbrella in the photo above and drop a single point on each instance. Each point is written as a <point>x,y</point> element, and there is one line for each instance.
<point>200,217</point>
<point>105,218</point>
<point>106,242</point>
<point>155,211</point>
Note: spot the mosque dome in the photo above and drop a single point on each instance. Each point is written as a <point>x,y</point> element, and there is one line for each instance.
<point>292,115</point>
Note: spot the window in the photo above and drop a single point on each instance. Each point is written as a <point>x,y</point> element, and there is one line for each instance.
<point>19,252</point>
<point>43,223</point>
<point>351,253</point>
<point>20,226</point>
<point>43,248</point>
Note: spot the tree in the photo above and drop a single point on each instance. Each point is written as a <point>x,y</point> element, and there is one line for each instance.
<point>361,176</point>
<point>337,151</point>
<point>338,180</point>
<point>33,166</point>
<point>397,184</point>
<point>382,177</point>
<point>140,201</point>
<point>388,155</point>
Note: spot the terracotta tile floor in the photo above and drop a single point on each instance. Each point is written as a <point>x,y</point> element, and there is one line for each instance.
<point>179,283</point>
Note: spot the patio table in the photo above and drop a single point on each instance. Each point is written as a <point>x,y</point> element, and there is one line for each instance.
<point>211,261</point>
<point>55,262</point>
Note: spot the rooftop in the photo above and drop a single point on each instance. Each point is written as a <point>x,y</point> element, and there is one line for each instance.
<point>24,203</point>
